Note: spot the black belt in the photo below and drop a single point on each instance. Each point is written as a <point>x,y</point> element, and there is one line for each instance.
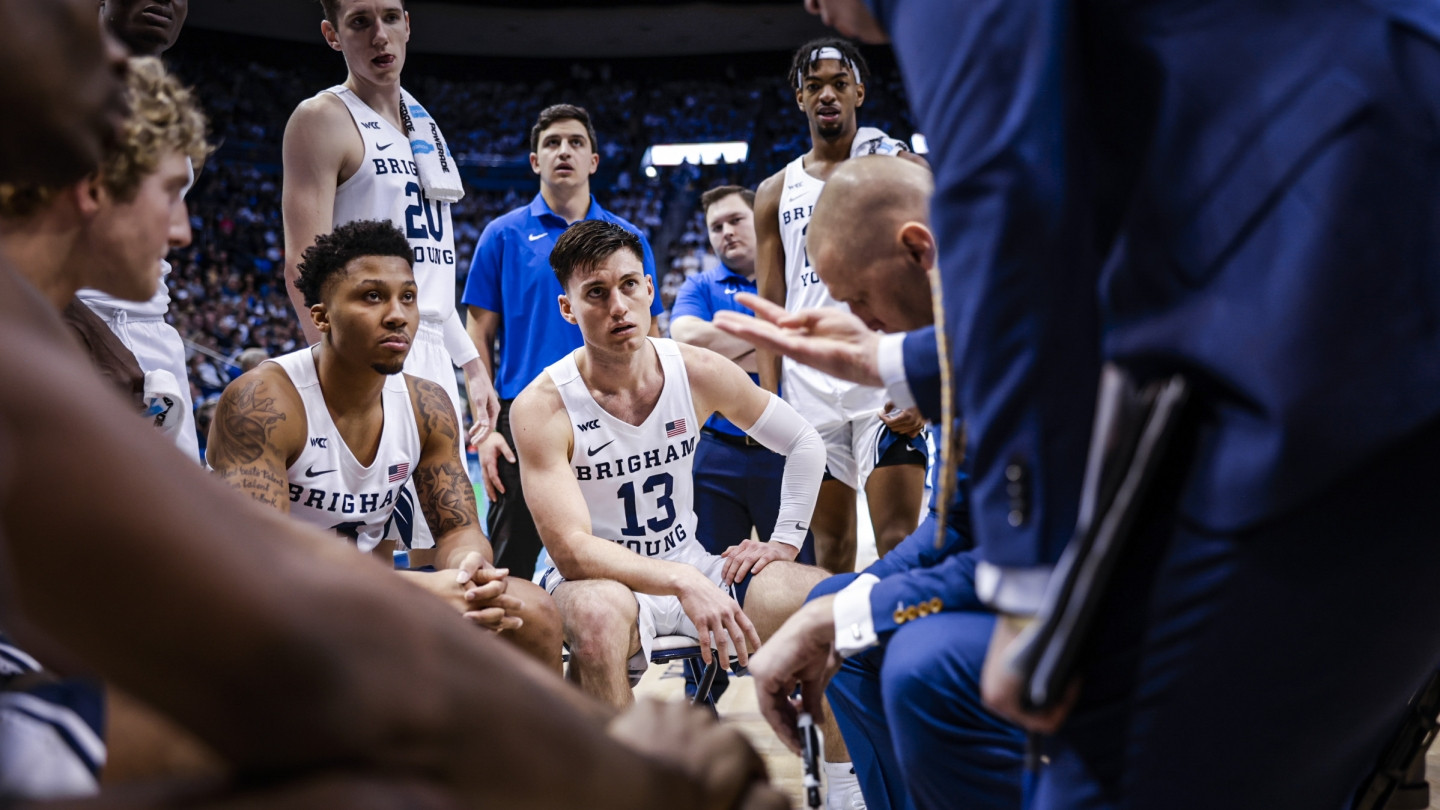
<point>731,439</point>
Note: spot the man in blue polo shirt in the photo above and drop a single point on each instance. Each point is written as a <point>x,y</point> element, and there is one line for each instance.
<point>737,481</point>
<point>511,294</point>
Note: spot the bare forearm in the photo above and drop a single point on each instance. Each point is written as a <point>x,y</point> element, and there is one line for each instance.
<point>481,325</point>
<point>700,333</point>
<point>770,284</point>
<point>452,548</point>
<point>584,556</point>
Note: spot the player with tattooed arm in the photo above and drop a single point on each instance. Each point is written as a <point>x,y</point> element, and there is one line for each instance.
<point>330,433</point>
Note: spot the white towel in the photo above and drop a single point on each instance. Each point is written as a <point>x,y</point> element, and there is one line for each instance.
<point>439,174</point>
<point>871,141</point>
<point>162,394</point>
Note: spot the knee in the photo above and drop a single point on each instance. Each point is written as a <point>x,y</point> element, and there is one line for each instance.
<point>829,585</point>
<point>597,625</point>
<point>892,534</point>
<point>940,663</point>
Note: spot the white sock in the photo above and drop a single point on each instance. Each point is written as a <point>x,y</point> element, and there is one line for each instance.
<point>842,786</point>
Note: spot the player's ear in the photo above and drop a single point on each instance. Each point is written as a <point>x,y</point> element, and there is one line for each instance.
<point>565,311</point>
<point>859,94</point>
<point>332,37</point>
<point>594,161</point>
<point>89,195</point>
<point>321,318</point>
<point>534,163</point>
<point>918,242</point>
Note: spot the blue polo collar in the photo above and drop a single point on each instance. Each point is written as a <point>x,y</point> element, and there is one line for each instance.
<point>726,274</point>
<point>541,209</point>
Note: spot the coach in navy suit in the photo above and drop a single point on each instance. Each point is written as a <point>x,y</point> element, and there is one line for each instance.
<point>1245,191</point>
<point>910,628</point>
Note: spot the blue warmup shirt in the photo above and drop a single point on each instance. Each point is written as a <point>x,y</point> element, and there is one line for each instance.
<point>701,296</point>
<point>511,275</point>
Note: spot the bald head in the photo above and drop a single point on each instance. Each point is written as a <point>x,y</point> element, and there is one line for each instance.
<point>869,239</point>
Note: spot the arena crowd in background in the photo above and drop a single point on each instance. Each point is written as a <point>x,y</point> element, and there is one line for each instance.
<point>228,286</point>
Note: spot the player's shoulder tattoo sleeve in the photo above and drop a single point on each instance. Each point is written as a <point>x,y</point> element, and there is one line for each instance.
<point>245,421</point>
<point>243,448</point>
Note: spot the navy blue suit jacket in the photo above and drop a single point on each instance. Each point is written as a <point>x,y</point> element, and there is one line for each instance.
<point>922,371</point>
<point>1246,190</point>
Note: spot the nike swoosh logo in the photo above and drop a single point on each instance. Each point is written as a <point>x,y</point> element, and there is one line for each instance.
<point>592,451</point>
<point>731,291</point>
<point>535,236</point>
<point>311,472</point>
<point>383,147</point>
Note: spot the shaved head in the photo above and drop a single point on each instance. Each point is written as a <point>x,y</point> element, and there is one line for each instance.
<point>870,241</point>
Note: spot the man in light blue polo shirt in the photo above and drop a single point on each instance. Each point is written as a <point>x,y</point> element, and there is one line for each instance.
<point>737,481</point>
<point>511,294</point>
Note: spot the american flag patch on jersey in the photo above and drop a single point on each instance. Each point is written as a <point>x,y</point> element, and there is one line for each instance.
<point>674,428</point>
<point>399,472</point>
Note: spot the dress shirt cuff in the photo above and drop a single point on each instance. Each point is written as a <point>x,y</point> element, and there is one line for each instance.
<point>854,622</point>
<point>1017,591</point>
<point>890,362</point>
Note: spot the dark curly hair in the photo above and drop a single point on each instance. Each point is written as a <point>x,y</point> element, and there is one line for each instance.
<point>586,244</point>
<point>332,252</point>
<point>801,62</point>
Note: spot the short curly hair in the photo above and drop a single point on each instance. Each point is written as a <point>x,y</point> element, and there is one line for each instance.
<point>164,117</point>
<point>332,252</point>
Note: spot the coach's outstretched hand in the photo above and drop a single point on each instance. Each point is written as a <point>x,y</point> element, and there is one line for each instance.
<point>724,769</point>
<point>801,652</point>
<point>831,340</point>
<point>751,556</point>
<point>718,619</point>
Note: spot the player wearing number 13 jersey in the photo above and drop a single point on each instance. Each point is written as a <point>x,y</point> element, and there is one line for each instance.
<point>606,438</point>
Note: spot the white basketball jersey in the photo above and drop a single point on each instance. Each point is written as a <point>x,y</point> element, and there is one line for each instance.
<point>329,488</point>
<point>386,187</point>
<point>820,398</point>
<point>637,479</point>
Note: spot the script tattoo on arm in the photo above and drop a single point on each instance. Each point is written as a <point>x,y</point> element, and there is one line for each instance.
<point>241,450</point>
<point>446,495</point>
<point>260,483</point>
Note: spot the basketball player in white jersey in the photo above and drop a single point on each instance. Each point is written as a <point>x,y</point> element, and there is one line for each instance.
<point>330,433</point>
<point>606,438</point>
<point>828,77</point>
<point>365,150</point>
